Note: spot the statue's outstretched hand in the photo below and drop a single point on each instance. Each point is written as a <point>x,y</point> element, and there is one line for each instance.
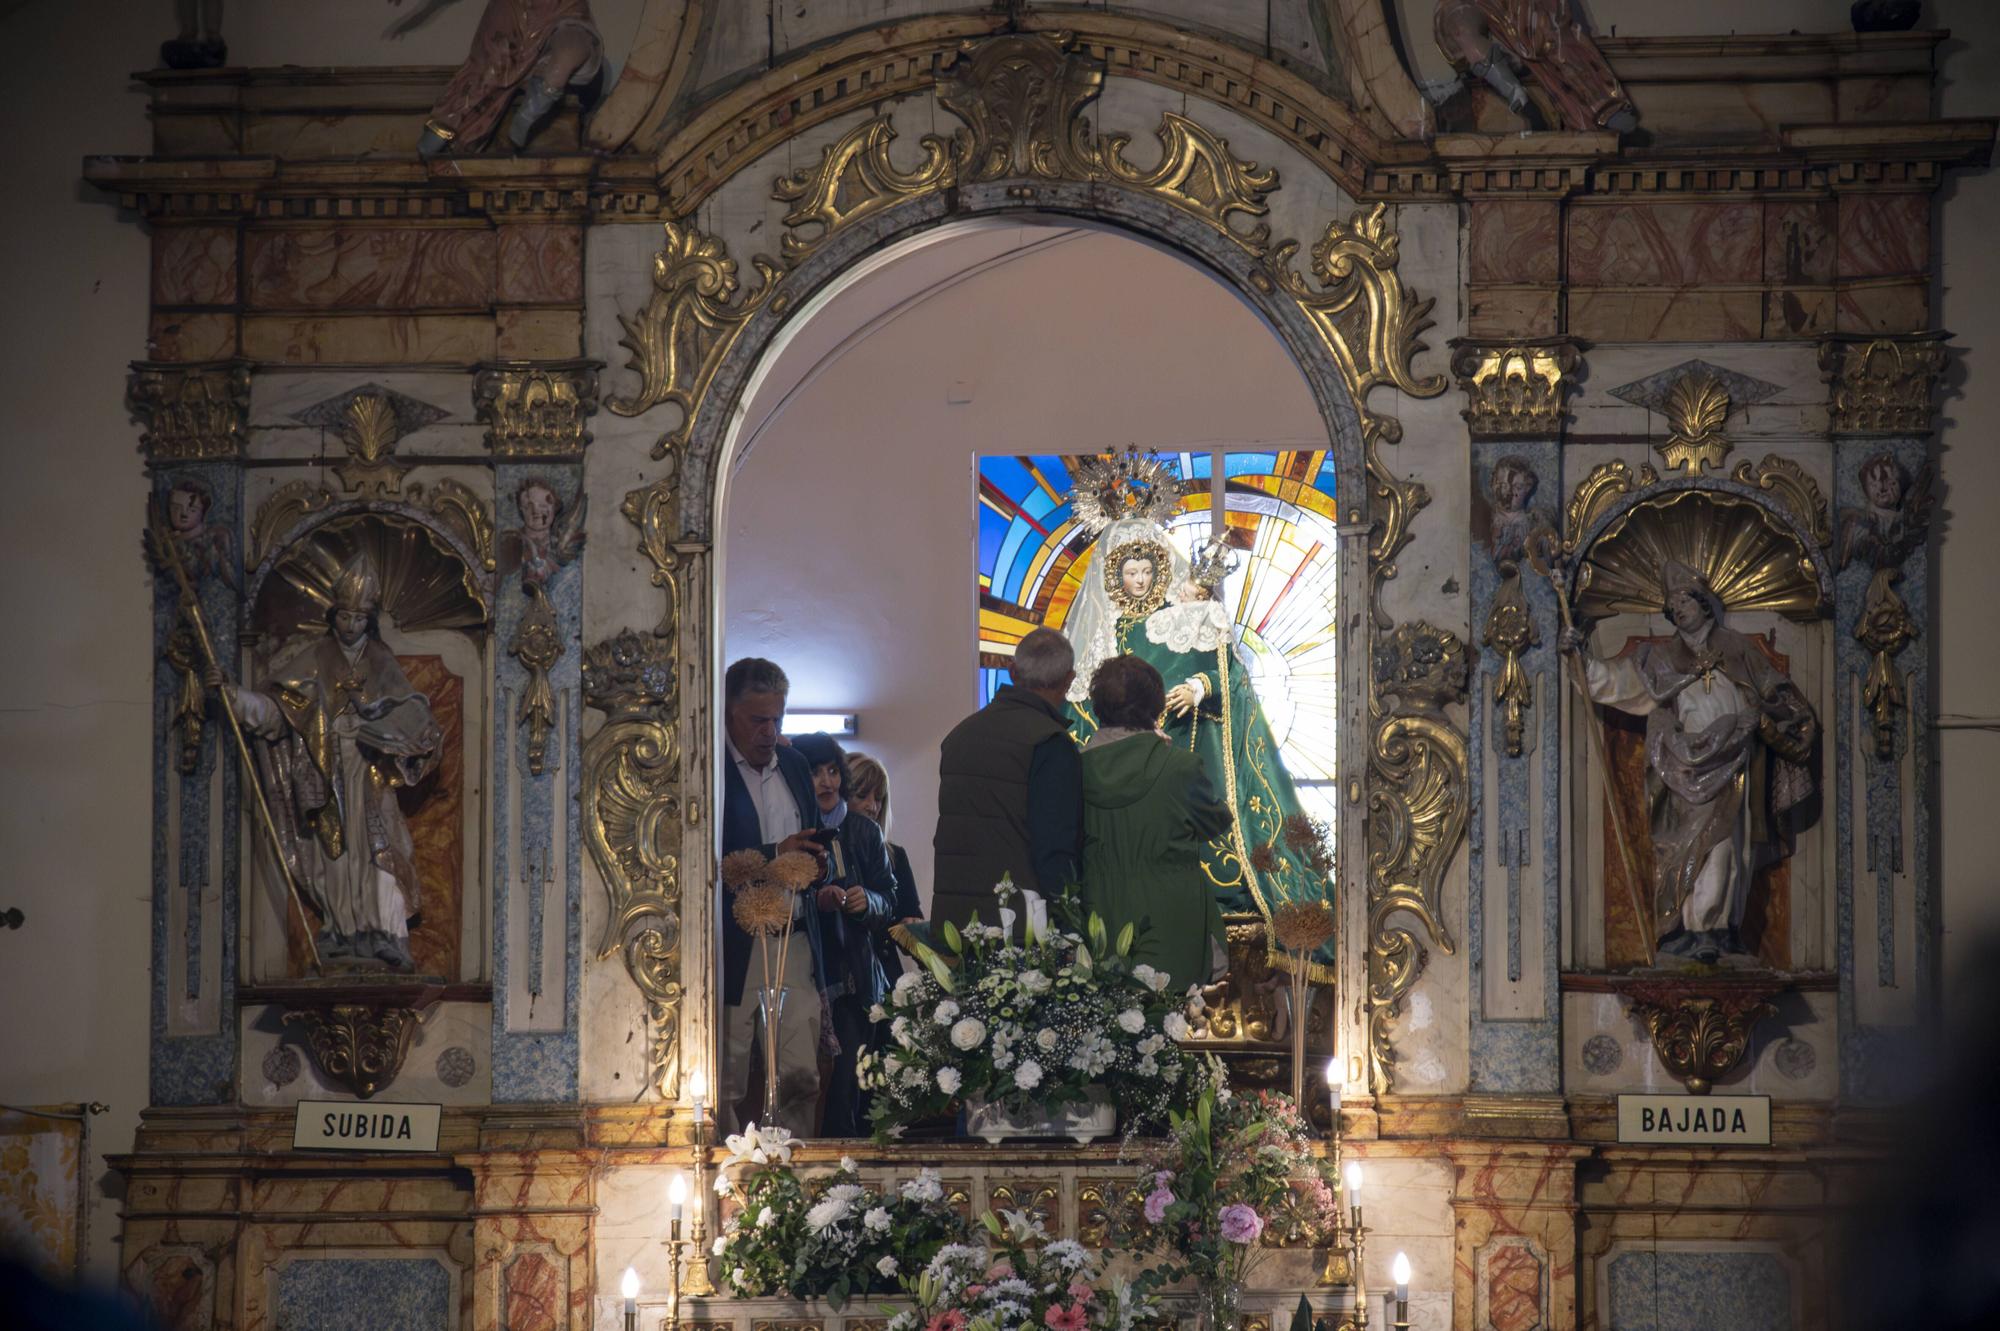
<point>211,677</point>
<point>1180,700</point>
<point>1570,640</point>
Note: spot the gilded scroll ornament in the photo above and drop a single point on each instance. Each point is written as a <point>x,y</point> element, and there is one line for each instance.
<point>461,512</point>
<point>1700,1039</point>
<point>1364,314</point>
<point>651,510</point>
<point>1392,503</point>
<point>1697,405</point>
<point>1885,628</point>
<point>288,506</point>
<point>690,322</point>
<point>190,412</point>
<point>538,647</point>
<point>1510,631</point>
<point>1789,483</point>
<point>190,718</point>
<point>1881,385</point>
<point>1514,389</point>
<point>1021,98</point>
<point>359,1047</point>
<point>535,409</point>
<point>1599,492</point>
<point>1418,803</point>
<point>631,808</point>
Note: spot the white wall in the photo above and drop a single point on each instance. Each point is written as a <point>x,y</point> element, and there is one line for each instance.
<point>849,548</point>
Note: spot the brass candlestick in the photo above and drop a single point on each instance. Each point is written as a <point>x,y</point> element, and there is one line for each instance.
<point>698,1284</point>
<point>673,1321</point>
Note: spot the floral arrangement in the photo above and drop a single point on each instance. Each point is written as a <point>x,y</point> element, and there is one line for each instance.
<point>828,1236</point>
<point>1019,1281</point>
<point>1041,1022</point>
<point>1234,1173</point>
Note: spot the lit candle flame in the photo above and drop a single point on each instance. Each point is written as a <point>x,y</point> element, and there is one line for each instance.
<point>629,1286</point>
<point>1354,1179</point>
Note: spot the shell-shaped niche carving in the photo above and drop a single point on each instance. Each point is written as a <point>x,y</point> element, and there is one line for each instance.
<point>1749,555</point>
<point>427,582</point>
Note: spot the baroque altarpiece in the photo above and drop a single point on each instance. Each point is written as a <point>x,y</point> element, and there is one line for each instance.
<point>1624,358</point>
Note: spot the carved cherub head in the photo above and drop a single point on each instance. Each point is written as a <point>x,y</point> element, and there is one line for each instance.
<point>539,505</point>
<point>1512,485</point>
<point>187,506</point>
<point>1882,481</point>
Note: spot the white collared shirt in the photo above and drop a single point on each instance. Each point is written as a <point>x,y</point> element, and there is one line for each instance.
<point>777,811</point>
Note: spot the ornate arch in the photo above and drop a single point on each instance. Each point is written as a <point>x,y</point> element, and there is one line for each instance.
<point>1024,146</point>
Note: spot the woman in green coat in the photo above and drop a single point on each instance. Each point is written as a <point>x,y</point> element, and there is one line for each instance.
<point>1148,813</point>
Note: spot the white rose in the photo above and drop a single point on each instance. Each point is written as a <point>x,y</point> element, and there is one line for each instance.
<point>946,1014</point>
<point>968,1032</point>
<point>1046,1040</point>
<point>723,1185</point>
<point>1176,1026</point>
<point>1131,1021</point>
<point>948,1080</point>
<point>906,988</point>
<point>1029,1075</point>
<point>1152,979</point>
<point>765,1217</point>
<point>1152,1044</point>
<point>1033,982</point>
<point>877,1219</point>
<point>887,1266</point>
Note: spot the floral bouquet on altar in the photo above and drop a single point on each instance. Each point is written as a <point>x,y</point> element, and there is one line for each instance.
<point>827,1236</point>
<point>1020,1282</point>
<point>1236,1172</point>
<point>1042,1023</point>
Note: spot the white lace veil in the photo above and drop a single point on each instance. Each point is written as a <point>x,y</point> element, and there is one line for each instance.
<point>1092,626</point>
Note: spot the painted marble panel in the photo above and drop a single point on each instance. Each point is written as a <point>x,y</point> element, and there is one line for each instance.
<point>1646,315</point>
<point>532,1290</point>
<point>363,1294</point>
<point>384,339</point>
<point>369,268</point>
<point>1884,305</point>
<point>537,334</point>
<point>1510,1287</point>
<point>1884,235</point>
<point>1513,242</point>
<point>194,265</point>
<point>1697,1291</point>
<point>178,1287</point>
<point>1798,241</point>
<point>1665,244</point>
<point>190,337</point>
<point>540,264</point>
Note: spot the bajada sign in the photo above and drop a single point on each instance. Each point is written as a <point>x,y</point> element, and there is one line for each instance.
<point>343,1125</point>
<point>1695,1120</point>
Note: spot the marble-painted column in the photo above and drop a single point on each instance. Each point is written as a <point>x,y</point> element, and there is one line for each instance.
<point>195,417</point>
<point>532,1238</point>
<point>1514,412</point>
<point>535,414</point>
<point>1514,1210</point>
<point>1881,422</point>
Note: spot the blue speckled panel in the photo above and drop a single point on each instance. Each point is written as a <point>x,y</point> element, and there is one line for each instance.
<point>537,1066</point>
<point>363,1294</point>
<point>1519,838</point>
<point>196,1068</point>
<point>1699,1291</point>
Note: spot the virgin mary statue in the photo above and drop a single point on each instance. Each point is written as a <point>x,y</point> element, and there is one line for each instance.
<point>1142,597</point>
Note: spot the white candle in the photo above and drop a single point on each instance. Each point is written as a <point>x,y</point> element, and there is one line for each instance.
<point>1354,1183</point>
<point>698,1089</point>
<point>677,1195</point>
<point>1333,1091</point>
<point>629,1287</point>
<point>1400,1271</point>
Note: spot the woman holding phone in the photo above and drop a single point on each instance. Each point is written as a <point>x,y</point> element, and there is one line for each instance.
<point>857,902</point>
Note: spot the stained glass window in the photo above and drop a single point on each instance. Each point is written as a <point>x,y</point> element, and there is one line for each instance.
<point>1033,557</point>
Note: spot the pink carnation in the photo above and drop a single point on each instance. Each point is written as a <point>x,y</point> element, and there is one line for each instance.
<point>951,1320</point>
<point>1060,1318</point>
<point>1241,1224</point>
<point>1157,1202</point>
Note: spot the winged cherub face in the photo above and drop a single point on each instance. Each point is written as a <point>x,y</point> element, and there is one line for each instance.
<point>538,508</point>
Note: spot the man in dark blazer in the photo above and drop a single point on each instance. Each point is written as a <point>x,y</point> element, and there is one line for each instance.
<point>768,805</point>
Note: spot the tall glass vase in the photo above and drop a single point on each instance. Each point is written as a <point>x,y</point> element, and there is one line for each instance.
<point>1219,1306</point>
<point>771,1016</point>
<point>1301,1000</point>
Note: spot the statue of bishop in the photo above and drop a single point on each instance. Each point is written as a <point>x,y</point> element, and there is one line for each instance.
<point>337,730</point>
<point>1729,741</point>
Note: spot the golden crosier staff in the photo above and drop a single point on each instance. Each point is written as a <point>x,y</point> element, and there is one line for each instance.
<point>169,554</point>
<point>1541,555</point>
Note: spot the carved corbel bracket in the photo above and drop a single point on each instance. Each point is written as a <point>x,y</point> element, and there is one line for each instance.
<point>536,409</point>
<point>1885,628</point>
<point>1515,389</point>
<point>1701,1029</point>
<point>1882,384</point>
<point>538,646</point>
<point>1510,631</point>
<point>192,412</point>
<point>359,1035</point>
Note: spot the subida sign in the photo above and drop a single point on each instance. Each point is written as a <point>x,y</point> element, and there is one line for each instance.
<point>1695,1120</point>
<point>344,1125</point>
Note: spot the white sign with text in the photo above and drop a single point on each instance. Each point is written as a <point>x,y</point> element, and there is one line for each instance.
<point>1695,1120</point>
<point>343,1125</point>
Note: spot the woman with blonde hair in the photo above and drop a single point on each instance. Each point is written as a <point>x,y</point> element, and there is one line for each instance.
<point>868,793</point>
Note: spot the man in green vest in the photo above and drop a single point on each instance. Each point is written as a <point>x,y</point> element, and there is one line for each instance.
<point>1010,789</point>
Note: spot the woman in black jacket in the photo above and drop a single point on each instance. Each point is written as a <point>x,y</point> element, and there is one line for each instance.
<point>868,793</point>
<point>857,904</point>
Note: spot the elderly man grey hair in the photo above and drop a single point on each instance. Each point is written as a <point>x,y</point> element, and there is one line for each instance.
<point>1044,660</point>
